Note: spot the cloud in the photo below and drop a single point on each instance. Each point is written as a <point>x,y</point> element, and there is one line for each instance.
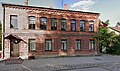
<point>83,5</point>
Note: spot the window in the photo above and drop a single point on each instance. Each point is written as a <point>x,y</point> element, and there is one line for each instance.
<point>48,45</point>
<point>73,25</point>
<point>82,25</point>
<point>13,21</point>
<point>63,24</point>
<point>63,44</point>
<point>32,45</point>
<point>77,44</point>
<point>91,26</point>
<point>31,20</point>
<point>53,24</point>
<point>43,23</point>
<point>91,44</point>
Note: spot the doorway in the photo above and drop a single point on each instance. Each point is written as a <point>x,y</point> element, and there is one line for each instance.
<point>14,48</point>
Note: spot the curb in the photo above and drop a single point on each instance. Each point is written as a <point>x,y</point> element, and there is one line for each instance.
<point>67,56</point>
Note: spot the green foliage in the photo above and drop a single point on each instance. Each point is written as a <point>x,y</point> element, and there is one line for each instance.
<point>118,24</point>
<point>103,36</point>
<point>115,47</point>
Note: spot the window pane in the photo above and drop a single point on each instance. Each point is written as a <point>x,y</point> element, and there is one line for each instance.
<point>13,21</point>
<point>73,25</point>
<point>63,24</point>
<point>77,42</point>
<point>48,44</point>
<point>43,23</point>
<point>91,44</point>
<point>63,44</point>
<point>32,45</point>
<point>53,24</point>
<point>91,26</point>
<point>31,20</point>
<point>82,23</point>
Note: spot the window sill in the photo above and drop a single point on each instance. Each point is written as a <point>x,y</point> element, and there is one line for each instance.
<point>48,50</point>
<point>14,28</point>
<point>91,49</point>
<point>77,50</point>
<point>33,51</point>
<point>64,50</point>
<point>91,31</point>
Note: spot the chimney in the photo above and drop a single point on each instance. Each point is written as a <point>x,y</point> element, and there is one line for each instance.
<point>65,6</point>
<point>26,2</point>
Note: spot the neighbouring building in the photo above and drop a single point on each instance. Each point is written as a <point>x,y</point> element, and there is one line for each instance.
<point>46,31</point>
<point>115,29</point>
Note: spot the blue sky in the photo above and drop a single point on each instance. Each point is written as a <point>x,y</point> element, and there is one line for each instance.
<point>109,9</point>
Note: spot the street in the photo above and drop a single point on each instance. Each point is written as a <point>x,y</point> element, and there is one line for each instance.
<point>93,63</point>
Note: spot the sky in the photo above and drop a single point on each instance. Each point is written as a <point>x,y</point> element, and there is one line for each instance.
<point>108,9</point>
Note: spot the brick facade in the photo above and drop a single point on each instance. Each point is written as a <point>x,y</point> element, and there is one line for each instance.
<point>23,12</point>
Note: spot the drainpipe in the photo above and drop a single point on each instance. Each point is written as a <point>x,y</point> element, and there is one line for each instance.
<point>3,31</point>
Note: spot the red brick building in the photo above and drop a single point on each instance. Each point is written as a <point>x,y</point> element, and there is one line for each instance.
<point>47,31</point>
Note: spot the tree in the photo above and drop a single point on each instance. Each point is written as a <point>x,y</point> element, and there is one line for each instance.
<point>115,45</point>
<point>103,36</point>
<point>118,24</point>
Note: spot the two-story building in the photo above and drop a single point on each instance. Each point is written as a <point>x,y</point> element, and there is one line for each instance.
<point>47,31</point>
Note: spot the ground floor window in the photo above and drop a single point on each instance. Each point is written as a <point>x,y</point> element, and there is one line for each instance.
<point>77,44</point>
<point>63,44</point>
<point>48,45</point>
<point>32,45</point>
<point>91,44</point>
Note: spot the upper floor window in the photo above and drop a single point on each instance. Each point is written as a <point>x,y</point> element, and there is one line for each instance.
<point>13,21</point>
<point>91,26</point>
<point>77,44</point>
<point>43,23</point>
<point>31,20</point>
<point>91,44</point>
<point>32,45</point>
<point>73,25</point>
<point>64,44</point>
<point>63,24</point>
<point>53,24</point>
<point>82,25</point>
<point>48,45</point>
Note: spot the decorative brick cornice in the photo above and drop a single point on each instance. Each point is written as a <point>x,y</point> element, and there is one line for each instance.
<point>49,10</point>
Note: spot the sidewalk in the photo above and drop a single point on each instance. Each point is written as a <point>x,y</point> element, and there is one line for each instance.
<point>1,59</point>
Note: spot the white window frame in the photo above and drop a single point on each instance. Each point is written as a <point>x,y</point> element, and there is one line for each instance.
<point>32,45</point>
<point>48,44</point>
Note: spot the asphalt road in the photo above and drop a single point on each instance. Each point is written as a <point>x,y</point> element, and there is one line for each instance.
<point>94,63</point>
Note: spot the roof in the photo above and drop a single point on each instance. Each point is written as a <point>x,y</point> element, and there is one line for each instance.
<point>11,36</point>
<point>3,4</point>
<point>115,29</point>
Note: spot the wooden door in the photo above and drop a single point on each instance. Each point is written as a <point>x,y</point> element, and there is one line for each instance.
<point>14,49</point>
